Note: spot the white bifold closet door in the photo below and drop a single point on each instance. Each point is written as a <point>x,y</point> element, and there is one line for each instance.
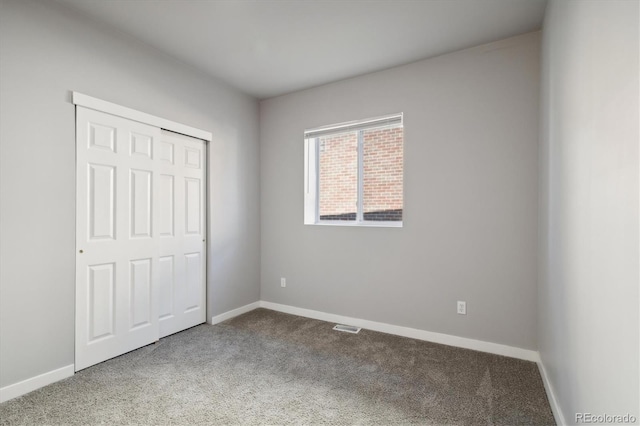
<point>140,230</point>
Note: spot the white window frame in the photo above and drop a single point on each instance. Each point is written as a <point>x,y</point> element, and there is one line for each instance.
<point>311,165</point>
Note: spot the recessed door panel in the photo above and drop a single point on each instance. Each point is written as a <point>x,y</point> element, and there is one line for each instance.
<point>140,282</point>
<point>102,137</point>
<point>101,301</point>
<point>101,202</point>
<point>140,203</point>
<point>166,290</point>
<point>192,157</point>
<point>140,144</point>
<point>166,152</point>
<point>167,203</point>
<point>192,206</point>
<point>193,278</point>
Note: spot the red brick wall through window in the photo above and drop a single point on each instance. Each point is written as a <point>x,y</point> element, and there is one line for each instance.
<point>382,181</point>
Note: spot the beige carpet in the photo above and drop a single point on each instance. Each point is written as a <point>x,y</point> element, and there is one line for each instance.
<point>270,368</point>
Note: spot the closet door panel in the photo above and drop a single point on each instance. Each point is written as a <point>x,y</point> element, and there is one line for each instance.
<point>117,240</point>
<point>183,169</point>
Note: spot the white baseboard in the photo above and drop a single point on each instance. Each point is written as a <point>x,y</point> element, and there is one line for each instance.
<point>234,312</point>
<point>28,385</point>
<point>553,402</point>
<point>430,336</point>
<point>17,389</point>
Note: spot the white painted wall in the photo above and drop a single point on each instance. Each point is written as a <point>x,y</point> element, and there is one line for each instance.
<point>46,52</point>
<point>470,221</point>
<point>588,288</point>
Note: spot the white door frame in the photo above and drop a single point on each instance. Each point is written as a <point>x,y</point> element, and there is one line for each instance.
<point>86,101</point>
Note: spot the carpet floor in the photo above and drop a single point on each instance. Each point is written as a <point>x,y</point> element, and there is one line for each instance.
<point>265,367</point>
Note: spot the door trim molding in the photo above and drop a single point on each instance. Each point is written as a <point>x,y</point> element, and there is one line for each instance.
<point>142,117</point>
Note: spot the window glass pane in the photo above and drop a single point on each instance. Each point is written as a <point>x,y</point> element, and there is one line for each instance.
<point>383,165</point>
<point>338,176</point>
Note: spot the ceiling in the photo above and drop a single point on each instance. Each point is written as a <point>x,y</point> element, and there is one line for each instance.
<point>270,47</point>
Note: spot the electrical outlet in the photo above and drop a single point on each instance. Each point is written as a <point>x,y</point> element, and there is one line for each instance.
<point>283,282</point>
<point>462,307</point>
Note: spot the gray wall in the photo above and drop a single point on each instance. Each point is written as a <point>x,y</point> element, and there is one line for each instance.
<point>588,307</point>
<point>470,220</point>
<point>46,52</point>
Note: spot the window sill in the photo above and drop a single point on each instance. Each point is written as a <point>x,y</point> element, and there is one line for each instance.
<point>358,224</point>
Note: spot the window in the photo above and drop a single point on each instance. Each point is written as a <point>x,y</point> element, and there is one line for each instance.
<point>354,173</point>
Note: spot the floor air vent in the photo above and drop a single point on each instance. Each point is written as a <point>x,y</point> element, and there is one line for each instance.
<point>347,328</point>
